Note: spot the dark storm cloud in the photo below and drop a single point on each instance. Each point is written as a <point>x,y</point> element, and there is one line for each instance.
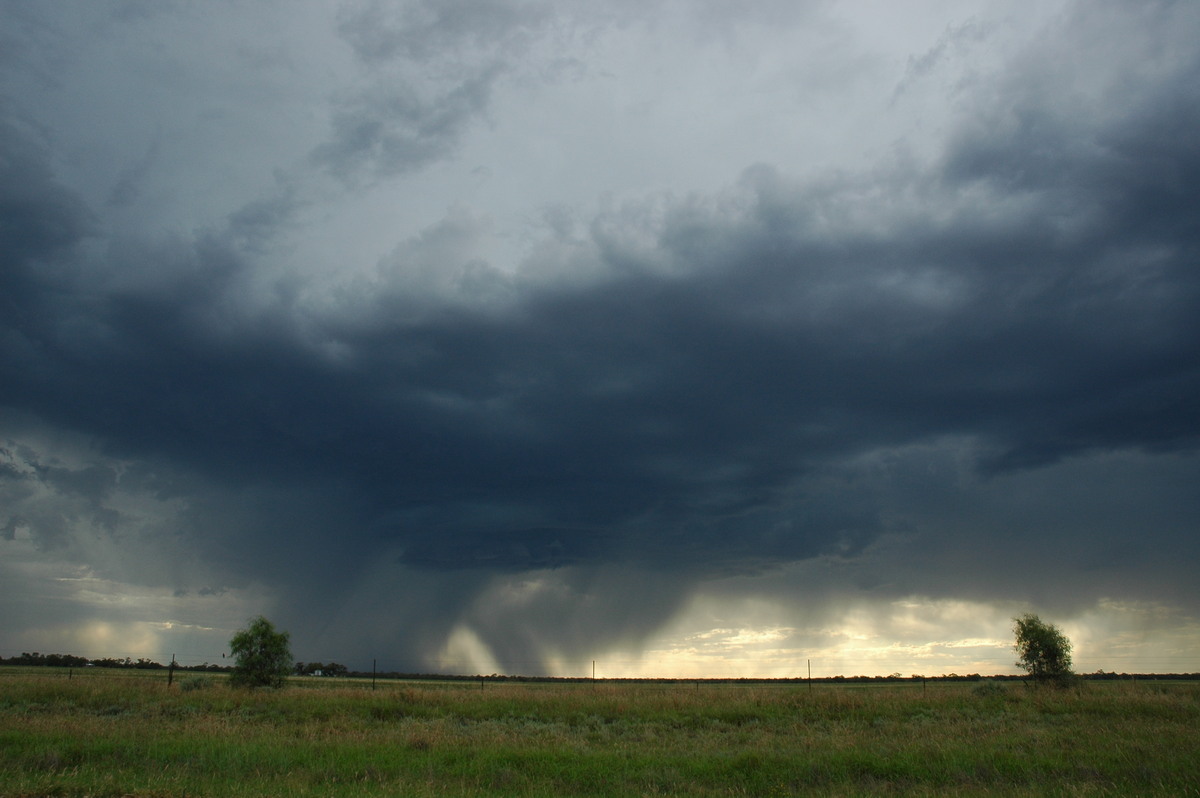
<point>40,221</point>
<point>41,217</point>
<point>661,415</point>
<point>681,395</point>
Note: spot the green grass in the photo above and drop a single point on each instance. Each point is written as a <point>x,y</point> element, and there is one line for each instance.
<point>123,734</point>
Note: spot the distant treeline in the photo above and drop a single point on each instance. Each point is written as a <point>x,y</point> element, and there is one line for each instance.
<point>320,669</point>
<point>335,669</point>
<point>72,661</point>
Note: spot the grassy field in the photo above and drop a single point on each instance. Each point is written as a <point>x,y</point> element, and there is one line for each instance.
<point>128,734</point>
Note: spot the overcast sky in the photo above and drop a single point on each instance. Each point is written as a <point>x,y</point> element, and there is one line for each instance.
<point>690,338</point>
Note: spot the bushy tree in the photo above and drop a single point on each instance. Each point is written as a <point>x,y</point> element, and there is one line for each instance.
<point>1043,651</point>
<point>261,655</point>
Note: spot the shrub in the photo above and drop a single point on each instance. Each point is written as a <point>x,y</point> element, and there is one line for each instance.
<point>195,683</point>
<point>989,688</point>
<point>261,655</point>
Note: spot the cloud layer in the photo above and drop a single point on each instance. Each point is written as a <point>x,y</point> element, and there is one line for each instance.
<point>966,368</point>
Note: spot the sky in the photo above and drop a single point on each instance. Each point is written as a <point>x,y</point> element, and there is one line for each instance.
<point>655,338</point>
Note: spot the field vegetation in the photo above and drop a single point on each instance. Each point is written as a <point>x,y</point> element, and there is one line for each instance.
<point>126,733</point>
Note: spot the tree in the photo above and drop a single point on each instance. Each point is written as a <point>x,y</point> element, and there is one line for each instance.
<point>261,655</point>
<point>1043,651</point>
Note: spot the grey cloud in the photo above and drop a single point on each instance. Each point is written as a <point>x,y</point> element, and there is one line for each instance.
<point>724,20</point>
<point>432,68</point>
<point>52,502</point>
<point>398,128</point>
<point>259,223</point>
<point>9,532</point>
<point>957,38</point>
<point>440,31</point>
<point>441,268</point>
<point>128,188</point>
<point>93,482</point>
